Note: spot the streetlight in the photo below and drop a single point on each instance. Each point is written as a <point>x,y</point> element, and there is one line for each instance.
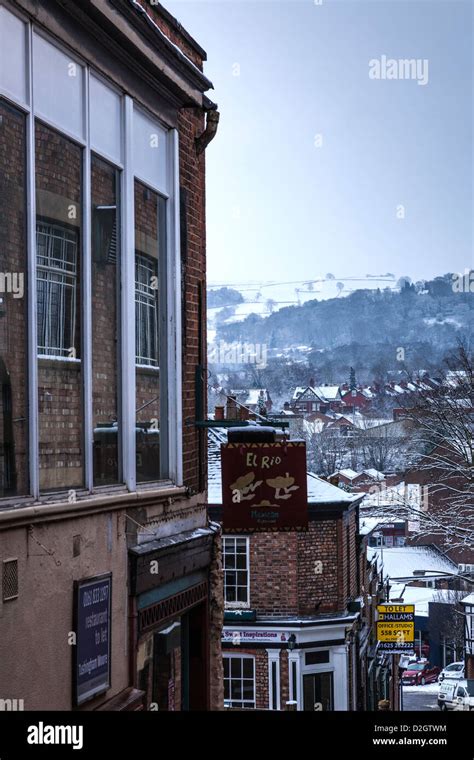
<point>291,642</point>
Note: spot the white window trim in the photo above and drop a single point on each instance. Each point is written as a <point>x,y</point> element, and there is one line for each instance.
<point>294,660</point>
<point>238,605</point>
<point>274,657</point>
<point>233,656</point>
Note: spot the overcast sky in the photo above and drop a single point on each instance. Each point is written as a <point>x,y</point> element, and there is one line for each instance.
<point>283,203</point>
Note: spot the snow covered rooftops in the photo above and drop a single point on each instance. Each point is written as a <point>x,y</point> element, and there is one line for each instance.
<point>401,562</point>
<point>322,392</point>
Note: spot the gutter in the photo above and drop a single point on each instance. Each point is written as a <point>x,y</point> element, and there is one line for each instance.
<point>205,83</point>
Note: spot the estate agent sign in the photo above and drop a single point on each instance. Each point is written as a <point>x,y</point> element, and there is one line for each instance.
<point>396,627</point>
<point>92,624</point>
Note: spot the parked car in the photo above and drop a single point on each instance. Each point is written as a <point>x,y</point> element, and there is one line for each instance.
<point>419,673</point>
<point>454,695</point>
<point>454,670</point>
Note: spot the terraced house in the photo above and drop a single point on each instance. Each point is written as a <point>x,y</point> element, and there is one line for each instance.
<point>110,591</point>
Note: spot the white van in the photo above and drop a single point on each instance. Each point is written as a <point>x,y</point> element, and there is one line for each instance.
<point>454,695</point>
<point>455,670</point>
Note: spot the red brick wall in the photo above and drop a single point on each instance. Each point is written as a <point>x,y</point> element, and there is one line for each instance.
<point>286,577</point>
<point>274,573</point>
<point>193,269</point>
<point>321,543</point>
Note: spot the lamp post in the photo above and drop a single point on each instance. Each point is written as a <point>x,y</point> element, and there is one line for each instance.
<point>468,604</point>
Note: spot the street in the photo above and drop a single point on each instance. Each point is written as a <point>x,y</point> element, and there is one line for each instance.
<point>422,698</point>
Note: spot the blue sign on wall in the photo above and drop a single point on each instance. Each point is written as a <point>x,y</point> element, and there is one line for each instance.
<point>92,613</point>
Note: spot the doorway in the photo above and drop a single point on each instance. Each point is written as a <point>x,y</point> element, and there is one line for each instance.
<point>318,692</point>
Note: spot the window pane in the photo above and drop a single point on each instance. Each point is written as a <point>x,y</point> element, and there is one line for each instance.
<point>242,578</point>
<point>13,306</point>
<point>105,115</point>
<point>149,307</point>
<point>59,241</point>
<point>149,150</point>
<point>230,578</point>
<point>236,667</point>
<point>241,594</point>
<point>105,322</point>
<point>230,594</point>
<point>248,667</point>
<point>236,689</point>
<point>58,84</point>
<point>12,55</point>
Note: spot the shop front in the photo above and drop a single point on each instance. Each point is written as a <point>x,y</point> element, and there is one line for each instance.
<point>170,621</point>
<point>277,665</point>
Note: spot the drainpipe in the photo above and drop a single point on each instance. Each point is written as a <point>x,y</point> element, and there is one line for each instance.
<point>212,120</point>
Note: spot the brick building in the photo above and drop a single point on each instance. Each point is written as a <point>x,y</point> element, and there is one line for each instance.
<point>299,608</point>
<point>106,549</point>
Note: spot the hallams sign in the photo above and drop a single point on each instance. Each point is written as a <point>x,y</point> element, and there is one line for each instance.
<point>264,486</point>
<point>396,627</point>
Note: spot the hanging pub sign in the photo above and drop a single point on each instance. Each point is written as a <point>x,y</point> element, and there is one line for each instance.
<point>264,486</point>
<point>92,625</point>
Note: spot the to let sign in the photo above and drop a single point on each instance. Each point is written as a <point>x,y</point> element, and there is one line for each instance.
<point>395,627</point>
<point>264,486</point>
<point>92,623</point>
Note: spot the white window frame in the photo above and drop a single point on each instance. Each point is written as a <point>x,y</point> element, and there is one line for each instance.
<point>62,273</point>
<point>231,656</point>
<point>171,370</point>
<point>146,307</point>
<point>237,604</point>
<point>274,685</point>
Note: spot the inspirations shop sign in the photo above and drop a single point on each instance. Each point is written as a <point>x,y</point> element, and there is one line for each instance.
<point>264,486</point>
<point>92,623</point>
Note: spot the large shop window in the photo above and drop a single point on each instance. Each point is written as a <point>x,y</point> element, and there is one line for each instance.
<point>105,322</point>
<point>58,258</point>
<point>13,306</point>
<point>239,681</point>
<point>150,276</point>
<point>236,571</point>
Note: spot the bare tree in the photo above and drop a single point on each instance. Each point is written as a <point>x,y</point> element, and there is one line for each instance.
<point>327,452</point>
<point>452,626</point>
<point>442,450</point>
<point>380,446</point>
